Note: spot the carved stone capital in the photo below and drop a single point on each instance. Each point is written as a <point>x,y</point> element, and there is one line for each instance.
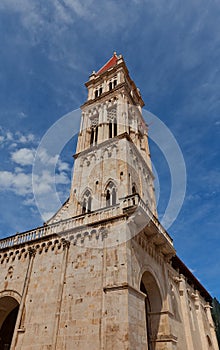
<point>31,251</point>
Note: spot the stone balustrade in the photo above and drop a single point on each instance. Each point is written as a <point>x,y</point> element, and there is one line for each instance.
<point>83,220</point>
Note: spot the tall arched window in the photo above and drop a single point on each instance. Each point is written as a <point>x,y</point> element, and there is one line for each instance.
<point>94,135</point>
<point>113,196</point>
<point>115,127</point>
<point>87,202</point>
<point>110,194</point>
<point>110,130</point>
<point>134,191</point>
<point>108,197</point>
<point>112,119</point>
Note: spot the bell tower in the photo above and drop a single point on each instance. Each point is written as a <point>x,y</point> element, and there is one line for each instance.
<point>112,159</point>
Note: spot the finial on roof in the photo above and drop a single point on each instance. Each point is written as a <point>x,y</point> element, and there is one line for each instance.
<point>115,54</point>
<point>93,72</point>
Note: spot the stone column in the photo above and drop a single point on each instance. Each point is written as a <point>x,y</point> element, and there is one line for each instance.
<point>60,293</point>
<point>120,115</point>
<point>198,307</point>
<point>211,327</point>
<point>105,124</point>
<point>101,124</point>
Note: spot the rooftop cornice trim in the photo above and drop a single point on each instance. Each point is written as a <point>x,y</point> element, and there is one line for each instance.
<point>105,95</point>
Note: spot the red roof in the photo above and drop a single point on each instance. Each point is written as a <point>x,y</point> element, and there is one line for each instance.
<point>111,63</point>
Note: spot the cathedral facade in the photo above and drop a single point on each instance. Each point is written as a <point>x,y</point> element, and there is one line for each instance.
<point>103,273</point>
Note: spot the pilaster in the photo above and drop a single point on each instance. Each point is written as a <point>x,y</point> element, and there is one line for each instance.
<point>185,312</point>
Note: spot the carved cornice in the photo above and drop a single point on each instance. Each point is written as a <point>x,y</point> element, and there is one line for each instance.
<point>9,255</point>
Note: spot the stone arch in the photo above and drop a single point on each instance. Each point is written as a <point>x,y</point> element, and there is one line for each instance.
<point>86,201</point>
<point>9,306</point>
<point>92,157</point>
<point>134,188</point>
<point>114,149</point>
<point>110,193</point>
<point>106,153</point>
<point>153,306</point>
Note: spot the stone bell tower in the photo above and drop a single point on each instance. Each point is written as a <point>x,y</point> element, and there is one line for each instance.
<point>102,273</point>
<point>112,159</point>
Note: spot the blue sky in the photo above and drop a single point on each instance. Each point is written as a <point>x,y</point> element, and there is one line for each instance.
<point>172,50</point>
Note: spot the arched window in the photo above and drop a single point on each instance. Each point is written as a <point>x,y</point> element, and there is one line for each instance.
<point>87,202</point>
<point>110,130</point>
<point>110,194</point>
<point>110,86</point>
<point>84,206</point>
<point>134,191</point>
<point>115,127</point>
<point>94,135</point>
<point>112,119</point>
<point>108,197</point>
<point>113,196</point>
<point>98,91</point>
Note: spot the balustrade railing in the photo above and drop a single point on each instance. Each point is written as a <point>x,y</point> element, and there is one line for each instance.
<point>83,220</point>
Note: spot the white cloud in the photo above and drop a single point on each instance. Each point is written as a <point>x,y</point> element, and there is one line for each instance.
<point>25,138</point>
<point>12,140</point>
<point>23,156</point>
<point>22,115</point>
<point>63,166</point>
<point>19,183</point>
<point>46,158</point>
<point>9,136</point>
<point>30,201</point>
<point>45,181</point>
<point>13,145</point>
<point>19,169</point>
